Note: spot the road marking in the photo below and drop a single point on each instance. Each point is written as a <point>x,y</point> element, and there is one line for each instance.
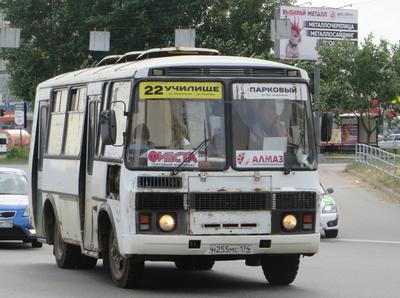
<point>365,241</point>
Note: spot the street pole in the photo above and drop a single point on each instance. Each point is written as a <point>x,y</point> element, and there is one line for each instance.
<point>317,120</point>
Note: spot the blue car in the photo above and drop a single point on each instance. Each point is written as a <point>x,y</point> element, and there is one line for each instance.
<point>14,208</point>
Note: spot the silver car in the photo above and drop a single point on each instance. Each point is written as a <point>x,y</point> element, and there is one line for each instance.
<point>391,142</point>
<point>329,214</point>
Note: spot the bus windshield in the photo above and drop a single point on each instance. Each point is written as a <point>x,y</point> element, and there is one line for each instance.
<point>272,126</point>
<point>164,132</point>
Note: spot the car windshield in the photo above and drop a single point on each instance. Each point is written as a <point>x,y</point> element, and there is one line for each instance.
<point>272,127</point>
<point>165,129</point>
<point>13,183</point>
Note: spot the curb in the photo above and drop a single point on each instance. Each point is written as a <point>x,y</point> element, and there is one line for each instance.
<point>384,189</point>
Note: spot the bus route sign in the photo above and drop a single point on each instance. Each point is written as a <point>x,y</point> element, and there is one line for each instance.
<point>180,90</point>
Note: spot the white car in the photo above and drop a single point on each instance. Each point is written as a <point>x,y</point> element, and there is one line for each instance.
<point>329,215</point>
<point>391,142</point>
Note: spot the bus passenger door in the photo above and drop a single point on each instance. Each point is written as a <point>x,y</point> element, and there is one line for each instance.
<point>90,226</point>
<point>37,167</point>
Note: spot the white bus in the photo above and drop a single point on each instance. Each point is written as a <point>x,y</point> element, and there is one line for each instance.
<point>187,159</point>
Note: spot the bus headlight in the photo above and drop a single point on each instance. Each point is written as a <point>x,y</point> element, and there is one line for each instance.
<point>167,222</point>
<point>289,222</point>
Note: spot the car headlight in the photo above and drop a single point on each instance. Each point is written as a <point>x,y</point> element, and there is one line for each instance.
<point>329,209</point>
<point>27,212</point>
<point>289,222</point>
<point>167,222</point>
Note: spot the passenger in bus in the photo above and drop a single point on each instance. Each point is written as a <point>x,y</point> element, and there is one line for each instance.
<point>179,137</point>
<point>266,123</point>
<point>141,139</point>
<point>217,143</point>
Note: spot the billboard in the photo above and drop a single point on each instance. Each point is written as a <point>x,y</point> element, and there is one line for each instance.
<point>311,24</point>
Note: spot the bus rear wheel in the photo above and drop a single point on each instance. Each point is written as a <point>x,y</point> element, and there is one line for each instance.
<point>280,270</point>
<point>125,272</point>
<point>66,255</point>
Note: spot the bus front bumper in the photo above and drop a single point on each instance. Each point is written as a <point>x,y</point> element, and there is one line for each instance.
<point>178,245</point>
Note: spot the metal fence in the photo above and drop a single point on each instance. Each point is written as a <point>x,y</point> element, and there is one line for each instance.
<point>382,161</point>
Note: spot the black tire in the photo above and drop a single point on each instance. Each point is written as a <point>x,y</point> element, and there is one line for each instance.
<point>331,233</point>
<point>67,255</point>
<point>125,272</point>
<point>280,270</point>
<point>36,244</point>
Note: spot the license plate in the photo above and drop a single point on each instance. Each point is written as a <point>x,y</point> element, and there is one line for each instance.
<point>229,249</point>
<point>6,223</point>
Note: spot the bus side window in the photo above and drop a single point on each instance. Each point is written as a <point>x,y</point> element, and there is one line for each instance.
<point>119,102</point>
<point>43,118</point>
<point>56,122</point>
<point>75,120</point>
<point>101,106</point>
<point>113,178</point>
<point>94,109</point>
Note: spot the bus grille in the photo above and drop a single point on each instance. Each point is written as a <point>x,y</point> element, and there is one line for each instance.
<point>231,201</point>
<point>295,200</point>
<point>159,201</point>
<point>159,182</point>
<point>225,201</point>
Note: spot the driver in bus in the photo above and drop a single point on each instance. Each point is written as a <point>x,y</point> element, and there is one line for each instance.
<point>266,124</point>
<point>141,139</point>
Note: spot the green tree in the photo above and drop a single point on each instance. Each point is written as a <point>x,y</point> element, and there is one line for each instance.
<point>351,76</point>
<point>55,33</point>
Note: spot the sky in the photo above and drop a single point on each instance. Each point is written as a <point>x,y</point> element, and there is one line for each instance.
<point>379,17</point>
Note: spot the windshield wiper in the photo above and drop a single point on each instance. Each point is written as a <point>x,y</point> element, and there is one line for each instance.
<point>296,146</point>
<point>175,171</point>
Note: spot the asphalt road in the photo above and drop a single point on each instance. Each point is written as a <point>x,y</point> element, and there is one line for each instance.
<point>363,262</point>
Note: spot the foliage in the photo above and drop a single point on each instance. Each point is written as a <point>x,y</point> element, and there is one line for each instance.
<point>351,76</point>
<point>55,33</point>
<point>17,153</point>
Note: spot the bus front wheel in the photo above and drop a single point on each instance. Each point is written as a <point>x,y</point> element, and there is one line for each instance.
<point>280,270</point>
<point>125,272</point>
<point>66,255</point>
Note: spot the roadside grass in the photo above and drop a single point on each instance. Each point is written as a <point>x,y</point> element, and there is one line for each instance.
<point>374,176</point>
<point>344,154</point>
<point>15,155</point>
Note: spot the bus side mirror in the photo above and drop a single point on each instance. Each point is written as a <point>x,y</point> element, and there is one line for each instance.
<point>108,127</point>
<point>326,126</point>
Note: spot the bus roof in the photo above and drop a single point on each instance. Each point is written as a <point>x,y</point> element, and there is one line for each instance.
<point>140,68</point>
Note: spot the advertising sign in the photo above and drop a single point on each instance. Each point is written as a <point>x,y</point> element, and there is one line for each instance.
<point>183,90</point>
<point>259,158</point>
<point>99,41</point>
<point>267,91</point>
<point>172,158</point>
<point>311,24</point>
<point>349,130</point>
<point>185,38</point>
<point>20,115</point>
